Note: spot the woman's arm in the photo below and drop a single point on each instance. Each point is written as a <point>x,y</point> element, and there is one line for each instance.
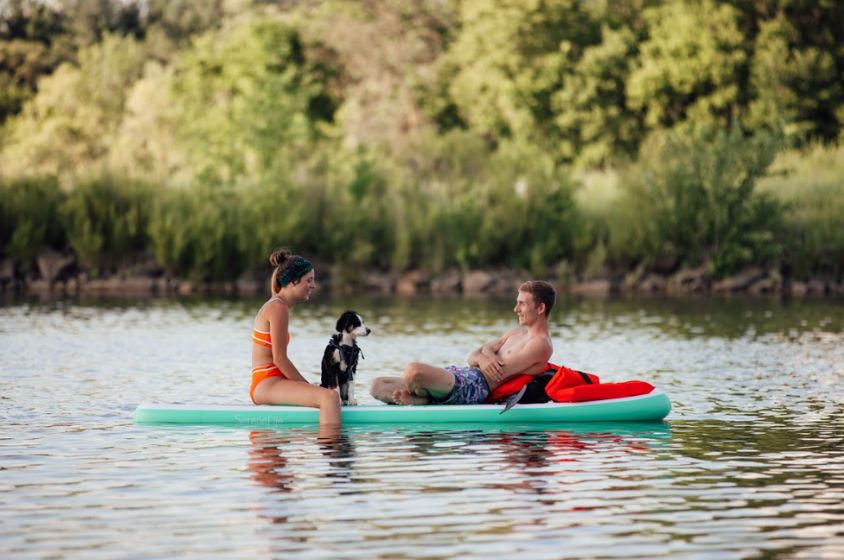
<point>279,317</point>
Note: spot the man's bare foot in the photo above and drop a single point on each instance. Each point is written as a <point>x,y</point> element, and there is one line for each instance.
<point>403,396</point>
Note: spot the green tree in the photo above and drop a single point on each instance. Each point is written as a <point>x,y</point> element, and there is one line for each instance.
<point>508,59</point>
<point>249,101</point>
<point>596,125</point>
<point>795,85</point>
<point>385,54</point>
<point>145,141</point>
<point>90,21</point>
<point>180,19</point>
<point>27,30</point>
<point>798,65</point>
<point>70,124</point>
<point>691,67</point>
<point>808,182</point>
<point>194,233</point>
<point>469,205</point>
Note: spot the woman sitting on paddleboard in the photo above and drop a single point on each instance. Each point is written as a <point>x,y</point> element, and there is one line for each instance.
<point>275,380</point>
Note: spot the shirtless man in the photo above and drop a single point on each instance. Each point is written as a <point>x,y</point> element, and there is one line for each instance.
<point>524,349</point>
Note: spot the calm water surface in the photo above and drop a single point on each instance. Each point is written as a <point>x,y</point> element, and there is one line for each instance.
<point>750,463</point>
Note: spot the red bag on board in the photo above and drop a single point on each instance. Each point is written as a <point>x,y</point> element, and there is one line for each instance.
<point>602,391</point>
<point>566,378</point>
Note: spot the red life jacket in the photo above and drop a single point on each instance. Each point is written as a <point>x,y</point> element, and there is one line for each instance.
<point>515,384</point>
<point>563,378</point>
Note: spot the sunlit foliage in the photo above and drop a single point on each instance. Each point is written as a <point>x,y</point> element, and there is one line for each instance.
<point>395,135</point>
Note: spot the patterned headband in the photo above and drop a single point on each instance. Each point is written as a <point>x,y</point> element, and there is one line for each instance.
<point>299,266</point>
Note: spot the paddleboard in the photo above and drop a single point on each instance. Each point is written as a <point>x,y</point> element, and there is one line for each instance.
<point>651,407</point>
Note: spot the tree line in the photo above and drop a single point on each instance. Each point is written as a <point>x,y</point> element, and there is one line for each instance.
<point>556,135</point>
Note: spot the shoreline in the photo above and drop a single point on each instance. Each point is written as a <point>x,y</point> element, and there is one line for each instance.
<point>59,275</point>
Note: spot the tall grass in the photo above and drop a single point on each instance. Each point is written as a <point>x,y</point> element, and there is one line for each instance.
<point>470,206</point>
<point>810,183</point>
<point>106,220</point>
<point>29,211</point>
<point>696,195</point>
<point>598,200</point>
<point>198,233</point>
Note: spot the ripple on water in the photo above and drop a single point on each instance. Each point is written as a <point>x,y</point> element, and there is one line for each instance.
<point>749,465</point>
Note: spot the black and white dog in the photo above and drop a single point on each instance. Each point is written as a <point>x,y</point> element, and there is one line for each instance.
<point>340,360</point>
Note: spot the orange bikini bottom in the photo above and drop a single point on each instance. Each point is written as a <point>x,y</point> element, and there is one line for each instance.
<point>259,374</point>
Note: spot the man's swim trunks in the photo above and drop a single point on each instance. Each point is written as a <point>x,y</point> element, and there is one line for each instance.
<point>470,386</point>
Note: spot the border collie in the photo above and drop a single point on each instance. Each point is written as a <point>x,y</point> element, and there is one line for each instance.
<point>340,360</point>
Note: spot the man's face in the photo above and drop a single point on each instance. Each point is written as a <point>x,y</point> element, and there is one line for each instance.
<point>526,308</point>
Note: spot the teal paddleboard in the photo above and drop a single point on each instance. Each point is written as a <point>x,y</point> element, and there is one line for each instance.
<point>651,407</point>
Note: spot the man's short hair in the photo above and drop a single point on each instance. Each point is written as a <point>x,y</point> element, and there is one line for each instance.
<point>542,292</point>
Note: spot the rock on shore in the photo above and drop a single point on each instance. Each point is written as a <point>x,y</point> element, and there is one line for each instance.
<point>59,274</point>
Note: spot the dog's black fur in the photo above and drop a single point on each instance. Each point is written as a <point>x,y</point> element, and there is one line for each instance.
<point>340,360</point>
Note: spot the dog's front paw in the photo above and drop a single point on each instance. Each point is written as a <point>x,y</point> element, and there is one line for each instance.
<point>352,402</point>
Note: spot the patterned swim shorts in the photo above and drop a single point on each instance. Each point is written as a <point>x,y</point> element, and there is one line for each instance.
<point>470,386</point>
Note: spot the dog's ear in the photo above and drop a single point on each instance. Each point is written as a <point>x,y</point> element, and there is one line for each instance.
<point>346,320</point>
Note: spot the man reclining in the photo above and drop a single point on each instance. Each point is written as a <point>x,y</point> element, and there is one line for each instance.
<point>523,350</point>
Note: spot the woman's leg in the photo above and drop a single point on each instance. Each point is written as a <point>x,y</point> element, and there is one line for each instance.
<point>277,390</point>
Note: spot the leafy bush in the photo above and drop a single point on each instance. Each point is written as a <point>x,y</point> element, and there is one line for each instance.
<point>692,195</point>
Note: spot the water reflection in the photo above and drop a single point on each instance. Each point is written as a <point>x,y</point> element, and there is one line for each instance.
<point>446,491</point>
<point>534,451</point>
<point>270,467</point>
<point>267,462</point>
<point>687,317</point>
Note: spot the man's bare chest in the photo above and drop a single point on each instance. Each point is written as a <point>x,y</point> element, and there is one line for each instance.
<point>513,345</point>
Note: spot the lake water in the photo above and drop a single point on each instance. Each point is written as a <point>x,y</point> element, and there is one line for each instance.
<point>750,463</point>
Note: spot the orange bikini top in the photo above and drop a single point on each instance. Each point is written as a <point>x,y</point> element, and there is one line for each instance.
<point>263,338</point>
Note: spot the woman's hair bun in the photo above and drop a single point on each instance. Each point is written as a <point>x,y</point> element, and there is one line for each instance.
<point>279,256</point>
